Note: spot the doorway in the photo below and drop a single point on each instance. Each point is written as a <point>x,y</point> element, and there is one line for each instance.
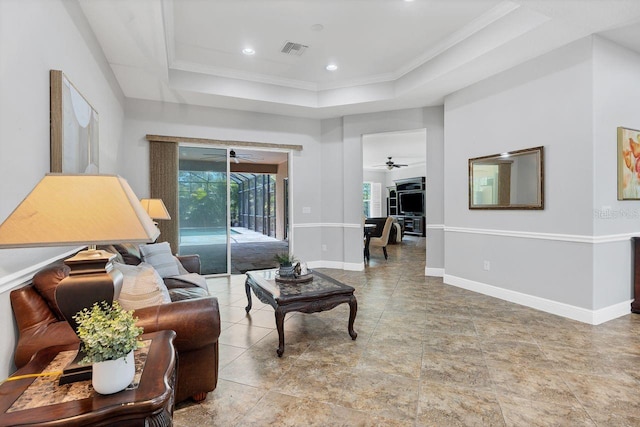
<point>259,209</point>
<point>392,161</point>
<point>232,207</point>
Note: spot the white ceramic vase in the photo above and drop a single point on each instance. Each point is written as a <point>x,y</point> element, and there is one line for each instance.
<point>112,376</point>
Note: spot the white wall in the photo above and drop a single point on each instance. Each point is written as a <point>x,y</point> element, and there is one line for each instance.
<point>433,121</point>
<point>555,258</point>
<point>326,179</point>
<point>353,128</point>
<point>36,36</point>
<point>616,75</point>
<point>331,165</point>
<point>147,117</point>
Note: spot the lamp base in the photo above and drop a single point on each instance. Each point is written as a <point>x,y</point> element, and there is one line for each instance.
<point>75,372</point>
<point>92,279</point>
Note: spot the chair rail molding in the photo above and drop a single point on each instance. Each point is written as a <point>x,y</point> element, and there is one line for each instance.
<point>326,225</point>
<point>574,238</point>
<point>25,275</point>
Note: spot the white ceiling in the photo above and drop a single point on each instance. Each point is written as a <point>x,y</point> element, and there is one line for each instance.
<point>391,54</point>
<point>404,147</point>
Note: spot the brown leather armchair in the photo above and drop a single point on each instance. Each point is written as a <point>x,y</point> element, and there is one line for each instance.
<point>195,320</point>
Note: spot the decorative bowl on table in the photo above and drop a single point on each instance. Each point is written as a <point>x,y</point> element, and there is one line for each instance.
<point>298,274</point>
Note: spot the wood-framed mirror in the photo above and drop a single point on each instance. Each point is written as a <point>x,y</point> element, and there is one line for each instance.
<point>513,180</point>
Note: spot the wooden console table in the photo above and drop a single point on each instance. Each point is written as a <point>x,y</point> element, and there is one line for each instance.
<point>320,294</point>
<point>41,401</point>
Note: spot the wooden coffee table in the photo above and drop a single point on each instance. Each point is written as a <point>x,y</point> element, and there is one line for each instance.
<point>41,401</point>
<point>321,294</point>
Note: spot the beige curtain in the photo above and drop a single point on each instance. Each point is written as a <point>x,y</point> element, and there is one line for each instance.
<point>163,179</point>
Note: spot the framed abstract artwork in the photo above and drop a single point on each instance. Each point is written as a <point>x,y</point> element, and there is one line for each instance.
<point>74,128</point>
<point>628,164</point>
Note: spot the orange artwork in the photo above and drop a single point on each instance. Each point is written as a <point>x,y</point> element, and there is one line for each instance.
<point>628,164</point>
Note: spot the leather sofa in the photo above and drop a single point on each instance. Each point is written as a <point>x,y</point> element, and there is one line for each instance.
<point>192,314</point>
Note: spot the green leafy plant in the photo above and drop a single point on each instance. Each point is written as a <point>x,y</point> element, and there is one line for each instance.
<point>284,259</point>
<point>107,332</point>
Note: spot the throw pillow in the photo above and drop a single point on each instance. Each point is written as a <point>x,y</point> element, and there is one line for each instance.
<point>181,269</point>
<point>142,287</point>
<point>160,257</point>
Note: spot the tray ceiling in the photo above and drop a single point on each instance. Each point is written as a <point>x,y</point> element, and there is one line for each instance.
<point>390,54</point>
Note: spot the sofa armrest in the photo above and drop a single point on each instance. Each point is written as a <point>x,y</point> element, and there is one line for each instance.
<point>30,309</point>
<point>191,263</point>
<point>38,326</point>
<point>195,321</point>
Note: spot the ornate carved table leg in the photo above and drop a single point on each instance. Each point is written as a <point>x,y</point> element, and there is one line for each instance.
<point>280,327</point>
<point>247,288</point>
<point>353,309</point>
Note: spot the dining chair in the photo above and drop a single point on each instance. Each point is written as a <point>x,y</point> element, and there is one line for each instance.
<point>383,240</point>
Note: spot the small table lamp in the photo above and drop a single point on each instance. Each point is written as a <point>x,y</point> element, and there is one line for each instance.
<point>155,208</point>
<point>65,210</point>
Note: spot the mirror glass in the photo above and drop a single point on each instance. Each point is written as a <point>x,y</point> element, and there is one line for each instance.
<point>511,180</point>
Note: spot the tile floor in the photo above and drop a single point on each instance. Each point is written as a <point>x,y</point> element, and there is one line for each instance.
<point>427,354</point>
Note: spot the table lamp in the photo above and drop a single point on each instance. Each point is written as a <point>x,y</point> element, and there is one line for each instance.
<point>155,208</point>
<point>66,210</point>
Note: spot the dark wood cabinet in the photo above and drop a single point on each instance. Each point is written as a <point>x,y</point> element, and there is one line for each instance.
<point>392,201</point>
<point>635,305</point>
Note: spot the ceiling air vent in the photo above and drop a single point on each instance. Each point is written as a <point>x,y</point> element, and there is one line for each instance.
<point>291,48</point>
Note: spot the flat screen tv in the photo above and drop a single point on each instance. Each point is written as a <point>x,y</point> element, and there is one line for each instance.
<point>412,203</point>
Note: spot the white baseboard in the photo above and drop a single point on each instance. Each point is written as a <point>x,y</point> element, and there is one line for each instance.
<point>350,266</point>
<point>434,271</point>
<point>592,317</point>
<point>612,312</point>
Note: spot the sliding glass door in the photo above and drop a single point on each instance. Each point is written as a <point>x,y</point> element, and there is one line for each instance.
<point>202,206</point>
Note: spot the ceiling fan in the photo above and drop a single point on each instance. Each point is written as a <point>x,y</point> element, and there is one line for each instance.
<point>390,164</point>
<point>236,157</point>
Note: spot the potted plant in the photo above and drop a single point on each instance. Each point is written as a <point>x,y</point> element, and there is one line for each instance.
<point>109,335</point>
<point>285,261</point>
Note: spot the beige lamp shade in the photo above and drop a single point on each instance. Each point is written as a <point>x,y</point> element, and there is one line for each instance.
<point>155,208</point>
<point>65,210</point>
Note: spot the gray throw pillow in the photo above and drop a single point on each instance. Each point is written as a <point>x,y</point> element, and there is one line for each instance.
<point>160,257</point>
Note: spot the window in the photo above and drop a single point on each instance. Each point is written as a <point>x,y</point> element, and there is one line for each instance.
<point>371,199</point>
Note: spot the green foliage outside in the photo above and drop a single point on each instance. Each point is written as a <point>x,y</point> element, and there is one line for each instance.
<point>203,199</point>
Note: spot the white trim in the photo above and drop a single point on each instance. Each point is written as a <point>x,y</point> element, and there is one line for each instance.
<point>326,224</point>
<point>574,238</point>
<point>338,265</point>
<point>434,271</point>
<point>25,275</point>
<point>612,312</point>
<point>593,317</point>
<point>435,227</point>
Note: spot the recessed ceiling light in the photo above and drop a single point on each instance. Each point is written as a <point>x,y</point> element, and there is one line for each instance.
<point>317,27</point>
<point>331,67</point>
<point>248,51</point>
